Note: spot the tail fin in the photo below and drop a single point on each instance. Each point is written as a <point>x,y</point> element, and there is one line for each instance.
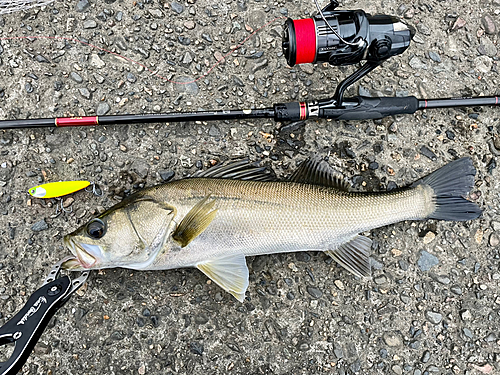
<point>451,184</point>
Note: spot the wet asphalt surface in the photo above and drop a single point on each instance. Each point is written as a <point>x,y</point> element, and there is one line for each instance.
<point>432,306</point>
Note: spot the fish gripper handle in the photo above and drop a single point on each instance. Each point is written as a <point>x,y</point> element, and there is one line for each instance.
<point>26,327</point>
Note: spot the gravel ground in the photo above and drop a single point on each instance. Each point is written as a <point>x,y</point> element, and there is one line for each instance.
<point>432,306</point>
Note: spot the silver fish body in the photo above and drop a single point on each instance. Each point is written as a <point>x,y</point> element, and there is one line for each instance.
<point>214,221</point>
<point>256,218</point>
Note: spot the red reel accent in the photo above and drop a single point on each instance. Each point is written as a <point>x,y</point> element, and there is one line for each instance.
<point>305,36</point>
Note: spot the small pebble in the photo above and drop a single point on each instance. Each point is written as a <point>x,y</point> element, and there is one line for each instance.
<point>427,261</point>
<point>40,226</point>
<point>41,59</point>
<point>156,13</point>
<point>176,7</point>
<point>397,369</point>
<point>131,77</point>
<point>383,353</point>
<point>483,63</point>
<point>433,317</point>
<point>102,108</point>
<point>84,92</point>
<point>392,339</point>
<point>96,61</point>
<point>260,66</point>
<point>417,64</point>
<point>76,77</point>
<point>339,284</point>
<point>426,151</point>
<point>445,280</point>
<point>190,25</point>
<point>429,237</point>
<point>89,24</point>
<point>492,337</point>
<point>459,23</point>
<point>466,315</point>
<point>494,240</point>
<point>68,202</point>
<point>42,349</point>
<point>303,346</point>
<point>82,5</point>
<point>314,292</point>
<point>434,56</point>
<point>488,24</point>
<point>214,131</point>
<point>467,332</point>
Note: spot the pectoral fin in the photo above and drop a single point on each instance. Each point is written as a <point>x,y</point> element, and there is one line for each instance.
<point>195,222</point>
<point>354,256</point>
<point>230,273</point>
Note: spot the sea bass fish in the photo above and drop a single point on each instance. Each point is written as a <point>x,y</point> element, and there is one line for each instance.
<point>212,221</point>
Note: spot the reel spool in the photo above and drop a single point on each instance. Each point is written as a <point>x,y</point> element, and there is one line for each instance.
<point>344,37</point>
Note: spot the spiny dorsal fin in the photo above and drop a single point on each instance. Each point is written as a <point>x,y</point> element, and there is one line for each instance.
<point>316,171</point>
<point>230,273</point>
<point>237,170</point>
<point>354,256</point>
<point>195,222</point>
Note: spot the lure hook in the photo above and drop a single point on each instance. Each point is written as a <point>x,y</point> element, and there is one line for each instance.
<point>60,207</point>
<point>94,189</point>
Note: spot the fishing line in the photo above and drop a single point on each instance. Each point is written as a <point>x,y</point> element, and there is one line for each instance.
<point>360,41</point>
<point>153,73</point>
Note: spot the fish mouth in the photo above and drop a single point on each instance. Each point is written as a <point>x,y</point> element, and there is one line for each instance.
<point>85,254</point>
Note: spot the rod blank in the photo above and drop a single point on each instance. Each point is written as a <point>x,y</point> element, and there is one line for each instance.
<point>356,108</point>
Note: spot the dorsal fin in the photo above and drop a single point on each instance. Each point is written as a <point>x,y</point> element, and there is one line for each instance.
<point>237,170</point>
<point>316,171</point>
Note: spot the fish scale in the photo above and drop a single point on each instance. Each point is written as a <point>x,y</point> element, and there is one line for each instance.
<point>256,218</point>
<point>214,223</point>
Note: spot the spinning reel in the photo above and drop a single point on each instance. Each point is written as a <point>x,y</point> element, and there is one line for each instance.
<point>345,37</point>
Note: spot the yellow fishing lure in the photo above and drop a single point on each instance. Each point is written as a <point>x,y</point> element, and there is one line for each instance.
<point>57,189</point>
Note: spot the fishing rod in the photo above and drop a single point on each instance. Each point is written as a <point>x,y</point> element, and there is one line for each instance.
<point>356,108</point>
<point>338,37</point>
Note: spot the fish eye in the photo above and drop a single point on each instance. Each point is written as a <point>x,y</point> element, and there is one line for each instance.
<point>96,228</point>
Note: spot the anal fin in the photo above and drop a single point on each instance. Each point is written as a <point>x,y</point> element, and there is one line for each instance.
<point>354,256</point>
<point>230,273</point>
